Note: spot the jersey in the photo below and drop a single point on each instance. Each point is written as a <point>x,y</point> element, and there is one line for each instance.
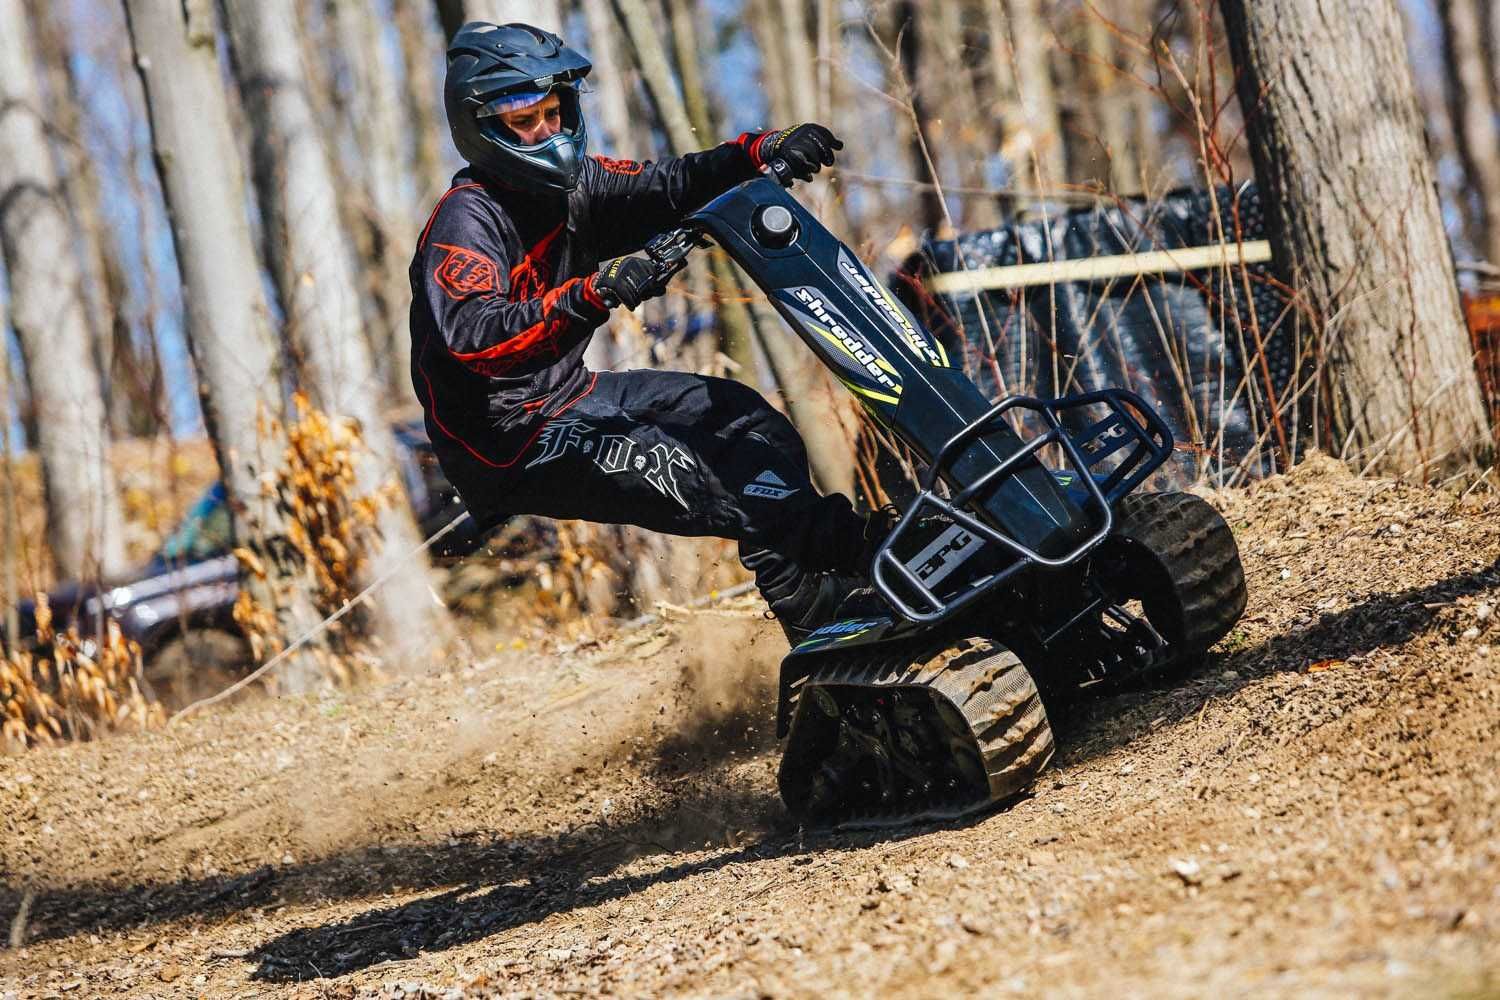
<point>503,303</point>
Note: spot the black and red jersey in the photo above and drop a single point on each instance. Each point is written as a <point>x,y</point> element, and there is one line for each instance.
<point>503,303</point>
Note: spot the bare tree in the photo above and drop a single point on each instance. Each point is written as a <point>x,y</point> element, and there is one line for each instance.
<point>1031,43</point>
<point>1111,105</point>
<point>811,403</point>
<point>421,46</point>
<point>298,196</point>
<point>9,520</point>
<point>1337,140</point>
<point>49,310</point>
<point>235,349</point>
<point>374,110</point>
<point>546,14</point>
<point>1471,108</point>
<point>612,81</point>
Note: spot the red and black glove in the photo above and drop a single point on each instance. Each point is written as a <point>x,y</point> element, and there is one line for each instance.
<point>629,281</point>
<point>805,148</point>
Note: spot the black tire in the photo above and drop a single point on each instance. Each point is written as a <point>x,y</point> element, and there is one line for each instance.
<point>195,664</point>
<point>901,734</point>
<point>1178,557</point>
<point>1000,709</point>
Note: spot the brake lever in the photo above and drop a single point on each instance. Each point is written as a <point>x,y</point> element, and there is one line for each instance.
<point>669,250</point>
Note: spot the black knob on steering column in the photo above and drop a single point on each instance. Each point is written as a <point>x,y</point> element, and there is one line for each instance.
<point>774,226</point>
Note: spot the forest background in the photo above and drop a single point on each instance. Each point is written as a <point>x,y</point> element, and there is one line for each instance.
<point>215,206</point>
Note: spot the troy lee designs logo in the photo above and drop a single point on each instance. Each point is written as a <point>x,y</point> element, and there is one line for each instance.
<point>852,344</point>
<point>614,454</point>
<point>881,301</point>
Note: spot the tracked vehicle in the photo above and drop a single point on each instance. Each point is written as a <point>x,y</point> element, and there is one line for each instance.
<point>1025,563</point>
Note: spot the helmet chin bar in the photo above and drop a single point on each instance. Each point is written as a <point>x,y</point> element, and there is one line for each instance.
<point>549,166</point>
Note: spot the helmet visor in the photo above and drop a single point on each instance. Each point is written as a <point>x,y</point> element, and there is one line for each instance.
<point>572,119</point>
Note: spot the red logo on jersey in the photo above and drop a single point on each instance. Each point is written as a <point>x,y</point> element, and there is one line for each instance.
<point>464,272</point>
<point>618,166</point>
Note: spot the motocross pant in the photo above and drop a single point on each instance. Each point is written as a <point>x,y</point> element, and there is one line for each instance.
<point>692,455</point>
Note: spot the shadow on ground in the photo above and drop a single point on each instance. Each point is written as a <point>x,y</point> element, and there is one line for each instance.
<point>1093,727</point>
<point>494,884</point>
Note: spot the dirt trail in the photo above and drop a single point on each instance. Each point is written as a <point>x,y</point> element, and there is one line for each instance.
<point>1312,813</point>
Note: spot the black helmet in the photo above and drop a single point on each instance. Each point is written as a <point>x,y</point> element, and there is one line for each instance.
<point>489,66</point>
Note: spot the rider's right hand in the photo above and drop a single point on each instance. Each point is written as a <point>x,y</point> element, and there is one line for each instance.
<point>628,281</point>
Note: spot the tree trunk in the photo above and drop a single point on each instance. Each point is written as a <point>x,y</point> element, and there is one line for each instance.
<point>102,280</point>
<point>298,196</point>
<point>233,346</point>
<point>1111,107</point>
<point>544,14</point>
<point>904,73</point>
<point>49,311</point>
<point>1032,44</point>
<point>965,135</point>
<point>1472,112</point>
<point>421,46</point>
<point>9,529</point>
<point>800,379</point>
<point>611,76</point>
<point>1337,140</point>
<point>386,212</point>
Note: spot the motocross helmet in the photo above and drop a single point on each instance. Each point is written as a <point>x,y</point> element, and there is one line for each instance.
<point>495,68</point>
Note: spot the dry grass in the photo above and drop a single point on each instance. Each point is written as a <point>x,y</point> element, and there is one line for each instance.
<point>81,690</point>
<point>330,522</point>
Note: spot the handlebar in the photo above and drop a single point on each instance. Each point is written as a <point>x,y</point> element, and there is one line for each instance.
<point>669,250</point>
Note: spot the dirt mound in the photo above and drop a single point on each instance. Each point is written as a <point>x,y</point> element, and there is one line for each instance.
<point>1312,812</point>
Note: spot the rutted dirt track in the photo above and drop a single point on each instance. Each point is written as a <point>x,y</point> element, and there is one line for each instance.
<point>1314,812</point>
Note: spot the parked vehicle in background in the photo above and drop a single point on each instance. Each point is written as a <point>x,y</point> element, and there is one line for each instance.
<point>179,605</point>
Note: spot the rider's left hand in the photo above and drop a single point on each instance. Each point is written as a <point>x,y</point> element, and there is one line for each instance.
<point>805,148</point>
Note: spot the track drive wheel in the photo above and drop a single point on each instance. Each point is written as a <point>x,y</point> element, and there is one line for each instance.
<point>881,738</point>
<point>1177,556</point>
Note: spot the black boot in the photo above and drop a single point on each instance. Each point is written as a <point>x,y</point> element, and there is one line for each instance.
<point>805,600</point>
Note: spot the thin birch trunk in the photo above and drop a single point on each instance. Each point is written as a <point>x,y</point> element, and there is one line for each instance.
<point>1111,106</point>
<point>375,113</point>
<point>1337,137</point>
<point>422,45</point>
<point>799,378</point>
<point>611,77</point>
<point>10,532</point>
<point>545,14</point>
<point>50,312</point>
<point>298,196</point>
<point>1471,109</point>
<point>234,348</point>
<point>1032,43</point>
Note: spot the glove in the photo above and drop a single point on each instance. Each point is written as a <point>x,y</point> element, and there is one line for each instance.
<point>628,281</point>
<point>805,148</point>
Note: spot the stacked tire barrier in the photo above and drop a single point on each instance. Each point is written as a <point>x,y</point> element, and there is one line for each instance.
<point>1171,298</point>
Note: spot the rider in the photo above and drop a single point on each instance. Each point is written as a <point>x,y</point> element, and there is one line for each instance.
<point>508,289</point>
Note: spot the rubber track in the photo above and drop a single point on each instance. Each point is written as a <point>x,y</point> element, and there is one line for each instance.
<point>1006,722</point>
<point>1195,544</point>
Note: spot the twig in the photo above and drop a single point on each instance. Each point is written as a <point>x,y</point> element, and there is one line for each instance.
<point>18,923</point>
<point>302,640</point>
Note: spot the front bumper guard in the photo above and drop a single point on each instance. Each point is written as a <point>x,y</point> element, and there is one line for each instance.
<point>1130,423</point>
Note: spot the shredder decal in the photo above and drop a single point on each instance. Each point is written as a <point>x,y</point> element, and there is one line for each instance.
<point>886,305</point>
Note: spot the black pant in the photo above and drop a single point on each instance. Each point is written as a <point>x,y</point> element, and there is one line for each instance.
<point>688,455</point>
